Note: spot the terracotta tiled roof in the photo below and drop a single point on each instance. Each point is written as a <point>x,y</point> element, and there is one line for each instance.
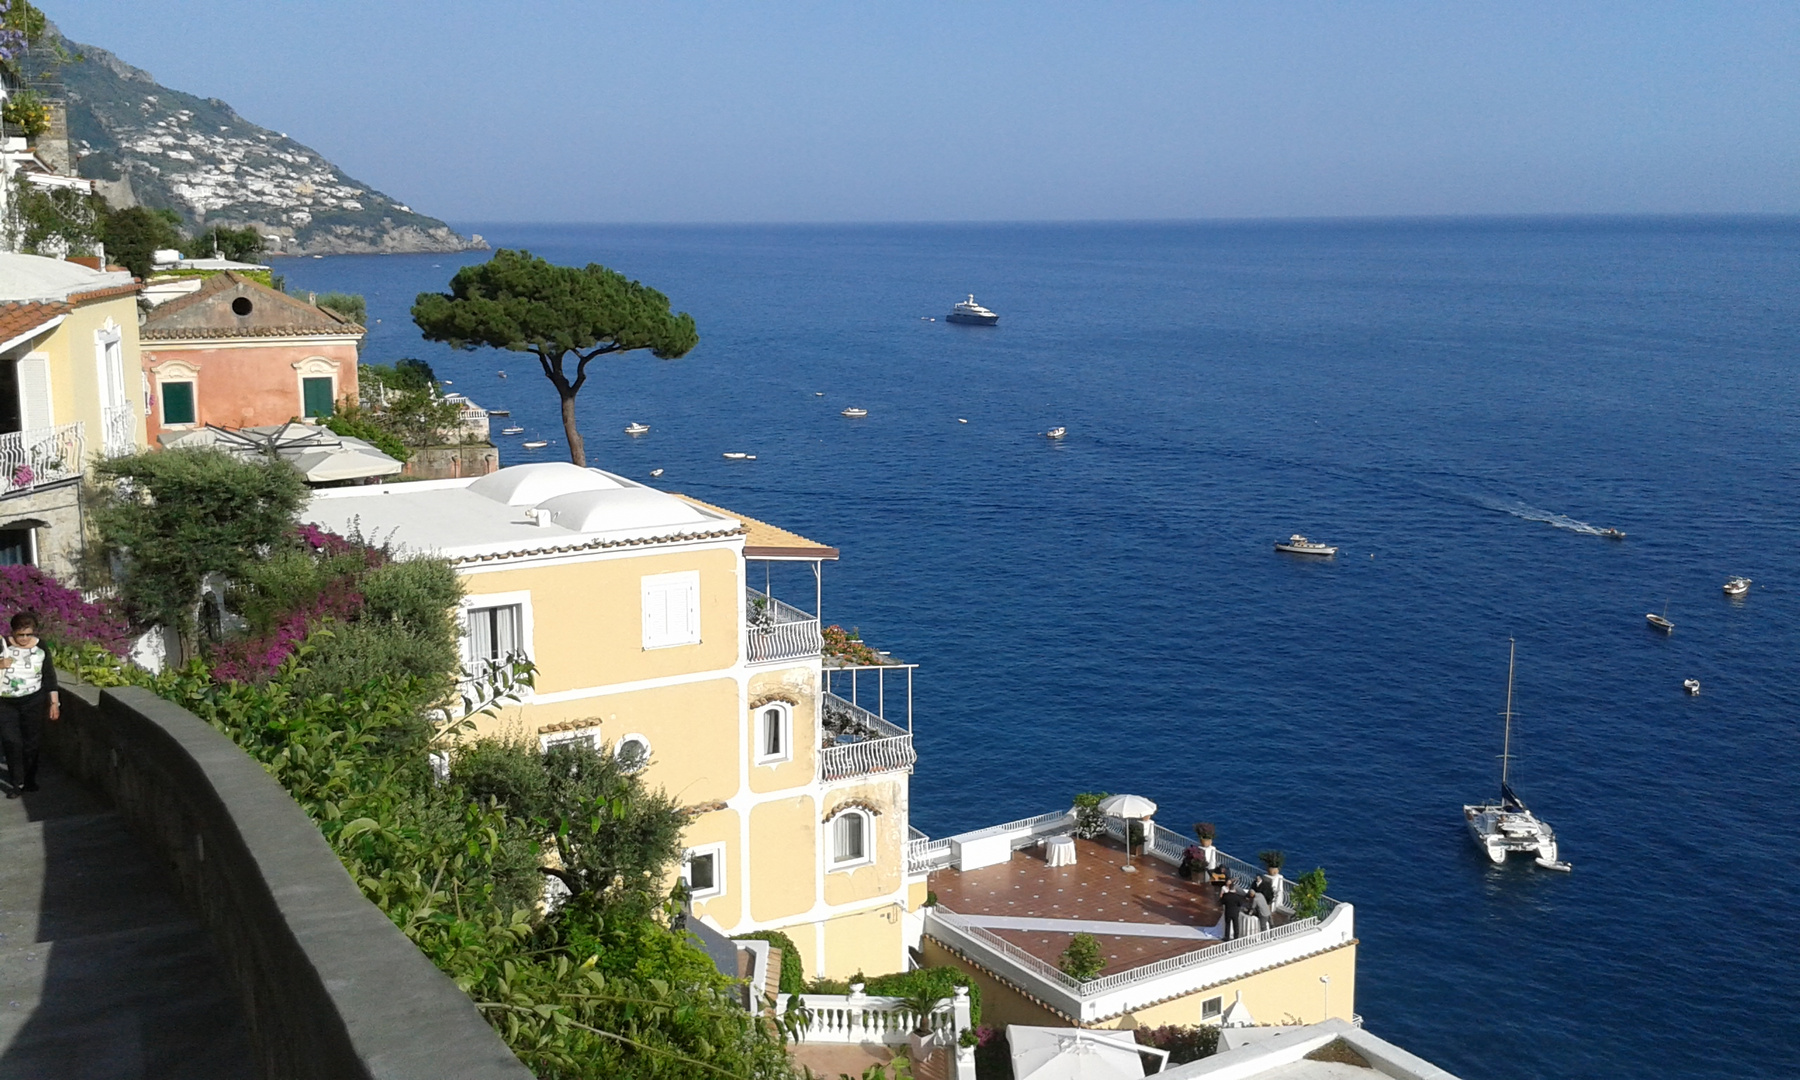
<point>22,318</point>
<point>232,305</point>
<point>765,541</point>
<point>105,294</point>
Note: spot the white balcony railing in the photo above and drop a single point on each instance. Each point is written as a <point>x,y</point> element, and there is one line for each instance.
<point>858,1018</point>
<point>862,743</point>
<point>42,456</point>
<point>779,631</point>
<point>119,431</point>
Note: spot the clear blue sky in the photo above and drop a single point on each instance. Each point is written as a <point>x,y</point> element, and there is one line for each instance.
<point>918,111</point>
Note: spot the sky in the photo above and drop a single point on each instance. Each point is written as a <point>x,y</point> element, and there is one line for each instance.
<point>745,111</point>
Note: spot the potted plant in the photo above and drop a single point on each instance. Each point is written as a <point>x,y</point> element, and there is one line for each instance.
<point>921,1040</point>
<point>1139,831</point>
<point>1272,860</point>
<point>1090,820</point>
<point>1198,859</point>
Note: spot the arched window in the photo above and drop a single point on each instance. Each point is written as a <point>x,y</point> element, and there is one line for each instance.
<point>633,752</point>
<point>851,843</point>
<point>774,732</point>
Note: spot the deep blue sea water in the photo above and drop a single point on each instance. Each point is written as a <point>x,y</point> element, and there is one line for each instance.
<point>1448,401</point>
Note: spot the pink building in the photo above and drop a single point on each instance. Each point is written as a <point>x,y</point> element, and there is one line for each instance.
<point>236,353</point>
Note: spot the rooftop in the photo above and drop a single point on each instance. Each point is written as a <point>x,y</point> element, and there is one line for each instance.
<point>547,508</point>
<point>232,305</point>
<point>766,541</point>
<point>34,277</point>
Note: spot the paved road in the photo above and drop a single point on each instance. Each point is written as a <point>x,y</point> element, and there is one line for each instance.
<point>103,975</point>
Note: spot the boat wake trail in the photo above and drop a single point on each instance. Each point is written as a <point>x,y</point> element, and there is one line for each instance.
<point>1527,512</point>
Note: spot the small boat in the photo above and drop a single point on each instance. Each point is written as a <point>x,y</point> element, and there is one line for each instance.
<point>968,311</point>
<point>854,412</point>
<point>1612,534</point>
<point>1503,827</point>
<point>1692,686</point>
<point>1660,622</point>
<point>502,374</point>
<point>535,444</point>
<point>1056,433</point>
<point>1300,545</point>
<point>655,472</point>
<point>1737,586</point>
<point>735,456</point>
<point>818,393</point>
<point>499,412</point>
<point>512,431</point>
<point>636,428</point>
<point>960,420</point>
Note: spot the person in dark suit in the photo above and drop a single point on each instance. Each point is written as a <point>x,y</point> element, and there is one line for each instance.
<point>28,694</point>
<point>1232,901</point>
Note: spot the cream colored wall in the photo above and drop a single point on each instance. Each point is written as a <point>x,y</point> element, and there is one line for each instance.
<point>1289,994</point>
<point>692,730</point>
<point>883,875</point>
<point>75,373</point>
<point>783,861</point>
<point>1001,1005</point>
<point>588,618</point>
<point>871,942</point>
<point>916,892</point>
<point>720,826</point>
<point>800,688</point>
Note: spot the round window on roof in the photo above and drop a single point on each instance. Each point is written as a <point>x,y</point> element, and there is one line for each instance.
<point>242,305</point>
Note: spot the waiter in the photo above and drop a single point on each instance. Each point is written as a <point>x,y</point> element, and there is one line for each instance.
<point>28,694</point>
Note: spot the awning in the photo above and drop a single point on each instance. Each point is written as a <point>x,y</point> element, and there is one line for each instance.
<point>766,541</point>
<point>321,455</point>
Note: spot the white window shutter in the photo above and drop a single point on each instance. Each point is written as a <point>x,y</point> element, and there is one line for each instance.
<point>671,609</point>
<point>34,393</point>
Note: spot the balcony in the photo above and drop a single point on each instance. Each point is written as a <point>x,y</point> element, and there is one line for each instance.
<point>120,430</point>
<point>779,631</point>
<point>41,457</point>
<point>859,743</point>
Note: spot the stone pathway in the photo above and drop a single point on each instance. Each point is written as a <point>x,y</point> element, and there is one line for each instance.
<point>103,975</point>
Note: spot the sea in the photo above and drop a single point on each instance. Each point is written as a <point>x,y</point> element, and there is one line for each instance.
<point>1460,405</point>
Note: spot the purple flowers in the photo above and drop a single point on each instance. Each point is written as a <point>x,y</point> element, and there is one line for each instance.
<point>255,659</point>
<point>63,616</point>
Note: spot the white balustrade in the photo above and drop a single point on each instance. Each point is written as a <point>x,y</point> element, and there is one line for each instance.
<point>860,1018</point>
<point>865,743</point>
<point>118,431</point>
<point>779,631</point>
<point>32,459</point>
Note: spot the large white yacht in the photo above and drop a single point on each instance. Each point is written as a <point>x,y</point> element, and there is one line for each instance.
<point>968,311</point>
<point>1503,827</point>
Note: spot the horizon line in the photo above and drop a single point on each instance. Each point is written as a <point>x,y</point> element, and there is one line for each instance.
<point>1792,216</point>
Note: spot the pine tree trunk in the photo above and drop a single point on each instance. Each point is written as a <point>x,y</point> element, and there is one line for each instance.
<point>577,453</point>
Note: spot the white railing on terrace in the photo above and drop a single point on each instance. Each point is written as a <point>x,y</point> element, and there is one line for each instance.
<point>863,743</point>
<point>859,1018</point>
<point>779,631</point>
<point>1168,846</point>
<point>923,855</point>
<point>32,459</point>
<point>118,431</point>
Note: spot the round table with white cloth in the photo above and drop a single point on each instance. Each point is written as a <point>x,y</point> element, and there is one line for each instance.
<point>1059,850</point>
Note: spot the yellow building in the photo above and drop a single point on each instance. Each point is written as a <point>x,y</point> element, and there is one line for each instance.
<point>70,393</point>
<point>636,608</point>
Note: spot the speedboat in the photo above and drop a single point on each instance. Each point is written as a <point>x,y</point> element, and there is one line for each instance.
<point>1612,534</point>
<point>656,472</point>
<point>736,456</point>
<point>1692,686</point>
<point>1300,545</point>
<point>1737,586</point>
<point>499,412</point>
<point>636,429</point>
<point>1659,622</point>
<point>1056,433</point>
<point>1501,828</point>
<point>535,444</point>
<point>512,431</point>
<point>968,311</point>
<point>854,412</point>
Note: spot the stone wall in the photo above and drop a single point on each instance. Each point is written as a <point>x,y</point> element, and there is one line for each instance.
<point>451,462</point>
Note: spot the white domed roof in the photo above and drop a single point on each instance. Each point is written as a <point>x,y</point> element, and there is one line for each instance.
<point>530,485</point>
<point>624,508</point>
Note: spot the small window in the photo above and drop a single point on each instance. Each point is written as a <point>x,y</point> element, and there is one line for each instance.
<point>177,403</point>
<point>587,739</point>
<point>633,753</point>
<point>850,838</point>
<point>671,609</point>
<point>773,734</point>
<point>1212,1008</point>
<point>316,396</point>
<point>703,869</point>
<point>494,633</point>
<point>242,306</point>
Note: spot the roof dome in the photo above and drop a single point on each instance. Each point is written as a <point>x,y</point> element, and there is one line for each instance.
<point>529,485</point>
<point>621,509</point>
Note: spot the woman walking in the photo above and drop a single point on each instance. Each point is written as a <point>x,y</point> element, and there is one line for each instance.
<point>28,695</point>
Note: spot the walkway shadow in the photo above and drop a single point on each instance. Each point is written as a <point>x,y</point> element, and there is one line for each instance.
<point>103,975</point>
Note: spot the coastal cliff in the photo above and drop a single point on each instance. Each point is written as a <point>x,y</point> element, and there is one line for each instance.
<point>152,146</point>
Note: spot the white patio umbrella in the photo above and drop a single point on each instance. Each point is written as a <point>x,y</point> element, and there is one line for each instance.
<point>1051,1053</point>
<point>320,454</point>
<point>1129,807</point>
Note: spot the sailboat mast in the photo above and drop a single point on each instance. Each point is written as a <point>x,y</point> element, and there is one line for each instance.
<point>1506,747</point>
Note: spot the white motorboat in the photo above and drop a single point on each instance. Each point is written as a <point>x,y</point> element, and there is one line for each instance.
<point>1612,534</point>
<point>1737,586</point>
<point>739,456</point>
<point>535,444</point>
<point>971,313</point>
<point>1503,827</point>
<point>1056,433</point>
<point>512,431</point>
<point>636,429</point>
<point>1692,686</point>
<point>656,472</point>
<point>499,412</point>
<point>854,412</point>
<point>1300,545</point>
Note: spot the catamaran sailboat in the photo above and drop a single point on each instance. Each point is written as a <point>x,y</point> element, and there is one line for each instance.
<point>1508,825</point>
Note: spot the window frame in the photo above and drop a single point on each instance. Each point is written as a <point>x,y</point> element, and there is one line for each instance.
<point>636,737</point>
<point>715,852</point>
<point>1212,1009</point>
<point>833,862</point>
<point>548,741</point>
<point>466,642</point>
<point>688,579</point>
<point>330,382</point>
<point>785,723</point>
<point>162,403</point>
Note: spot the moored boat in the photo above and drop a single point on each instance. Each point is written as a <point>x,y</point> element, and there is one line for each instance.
<point>1737,586</point>
<point>1300,545</point>
<point>535,444</point>
<point>968,311</point>
<point>636,428</point>
<point>512,431</point>
<point>1692,686</point>
<point>854,412</point>
<point>1503,827</point>
<point>1056,432</point>
<point>1659,622</point>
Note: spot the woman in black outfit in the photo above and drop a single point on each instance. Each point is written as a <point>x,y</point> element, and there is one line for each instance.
<point>28,694</point>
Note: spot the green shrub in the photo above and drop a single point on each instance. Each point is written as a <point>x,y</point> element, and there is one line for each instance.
<point>1184,1044</point>
<point>1082,960</point>
<point>351,306</point>
<point>353,421</point>
<point>938,982</point>
<point>793,968</point>
<point>1307,893</point>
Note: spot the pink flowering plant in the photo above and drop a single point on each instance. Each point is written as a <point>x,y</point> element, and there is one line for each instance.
<point>63,616</point>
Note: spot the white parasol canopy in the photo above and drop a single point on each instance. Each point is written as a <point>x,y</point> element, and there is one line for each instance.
<point>1128,806</point>
<point>321,455</point>
<point>1052,1053</point>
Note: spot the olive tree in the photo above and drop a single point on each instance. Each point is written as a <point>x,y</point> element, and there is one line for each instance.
<point>519,302</point>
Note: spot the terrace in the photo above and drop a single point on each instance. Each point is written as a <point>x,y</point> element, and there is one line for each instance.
<point>1002,906</point>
